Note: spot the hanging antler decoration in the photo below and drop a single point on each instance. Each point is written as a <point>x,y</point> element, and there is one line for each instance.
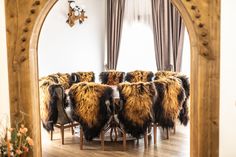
<point>75,13</point>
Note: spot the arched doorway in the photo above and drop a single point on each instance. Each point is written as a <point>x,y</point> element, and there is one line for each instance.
<point>204,38</point>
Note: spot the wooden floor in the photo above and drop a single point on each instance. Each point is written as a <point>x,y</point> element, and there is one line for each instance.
<point>177,146</point>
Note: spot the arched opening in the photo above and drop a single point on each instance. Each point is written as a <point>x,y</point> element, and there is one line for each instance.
<point>48,7</point>
<point>33,64</point>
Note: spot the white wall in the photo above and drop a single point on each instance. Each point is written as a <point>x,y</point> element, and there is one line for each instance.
<point>228,79</point>
<point>4,94</point>
<point>80,48</point>
<point>185,67</point>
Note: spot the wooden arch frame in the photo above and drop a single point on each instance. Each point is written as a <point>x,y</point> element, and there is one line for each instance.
<point>24,19</point>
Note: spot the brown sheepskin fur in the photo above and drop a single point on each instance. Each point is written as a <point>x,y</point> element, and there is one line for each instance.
<point>89,106</point>
<point>60,78</point>
<point>52,104</point>
<point>82,77</point>
<point>111,77</point>
<point>63,79</point>
<point>49,100</point>
<point>139,76</point>
<point>44,104</point>
<point>170,97</point>
<point>47,80</point>
<point>136,112</point>
<point>184,113</point>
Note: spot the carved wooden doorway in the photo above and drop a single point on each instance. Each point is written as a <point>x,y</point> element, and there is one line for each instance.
<point>24,19</point>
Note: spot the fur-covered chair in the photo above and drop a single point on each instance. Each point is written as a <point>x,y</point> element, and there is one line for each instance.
<point>136,113</point>
<point>52,107</point>
<point>82,77</point>
<point>90,103</point>
<point>113,78</point>
<point>170,97</point>
<point>184,112</point>
<point>59,78</point>
<point>139,76</point>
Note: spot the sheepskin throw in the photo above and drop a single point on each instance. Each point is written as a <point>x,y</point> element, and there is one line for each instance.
<point>136,112</point>
<point>184,113</point>
<point>170,97</point>
<point>90,104</point>
<point>139,76</point>
<point>82,77</point>
<point>49,99</point>
<point>111,77</point>
<point>59,78</point>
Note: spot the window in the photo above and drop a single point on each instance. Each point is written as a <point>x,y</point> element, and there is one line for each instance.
<point>137,43</point>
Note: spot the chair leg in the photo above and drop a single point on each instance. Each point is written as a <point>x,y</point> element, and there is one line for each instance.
<point>167,133</point>
<point>51,132</point>
<point>102,139</point>
<point>111,131</point>
<point>145,139</point>
<point>62,135</point>
<point>174,129</point>
<point>72,129</point>
<point>124,140</point>
<point>81,138</point>
<point>116,134</point>
<point>155,133</point>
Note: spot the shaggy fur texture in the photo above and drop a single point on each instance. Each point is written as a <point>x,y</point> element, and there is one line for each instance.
<point>184,113</point>
<point>111,77</point>
<point>48,103</point>
<point>48,79</point>
<point>82,77</point>
<point>139,76</point>
<point>170,97</point>
<point>90,105</point>
<point>136,113</point>
<point>58,78</point>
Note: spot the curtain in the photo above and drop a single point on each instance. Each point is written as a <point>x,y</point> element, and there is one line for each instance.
<point>137,46</point>
<point>138,11</point>
<point>115,15</point>
<point>168,32</point>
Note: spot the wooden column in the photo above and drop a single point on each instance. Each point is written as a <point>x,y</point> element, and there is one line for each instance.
<point>21,21</point>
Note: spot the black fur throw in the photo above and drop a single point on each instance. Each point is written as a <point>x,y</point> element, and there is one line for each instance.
<point>90,103</point>
<point>184,112</point>
<point>170,97</point>
<point>48,104</point>
<point>136,112</point>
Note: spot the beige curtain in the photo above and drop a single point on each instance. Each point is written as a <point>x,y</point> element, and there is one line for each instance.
<point>168,28</point>
<point>115,15</point>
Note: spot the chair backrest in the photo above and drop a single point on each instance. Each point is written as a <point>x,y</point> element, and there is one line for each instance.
<point>136,112</point>
<point>52,111</point>
<point>58,78</point>
<point>111,77</point>
<point>184,113</point>
<point>90,103</point>
<point>139,76</point>
<point>77,77</point>
<point>170,97</point>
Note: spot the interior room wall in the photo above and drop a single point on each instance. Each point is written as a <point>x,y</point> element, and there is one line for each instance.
<point>228,79</point>
<point>185,67</point>
<point>79,48</point>
<point>4,90</point>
